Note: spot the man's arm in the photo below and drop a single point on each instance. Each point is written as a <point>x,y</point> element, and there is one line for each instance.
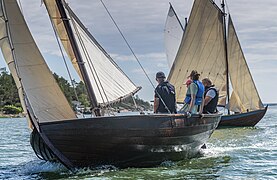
<point>209,96</point>
<point>207,100</point>
<point>202,105</point>
<point>192,102</point>
<point>156,104</point>
<point>193,89</point>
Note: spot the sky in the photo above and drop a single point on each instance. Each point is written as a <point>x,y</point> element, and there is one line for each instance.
<point>142,22</point>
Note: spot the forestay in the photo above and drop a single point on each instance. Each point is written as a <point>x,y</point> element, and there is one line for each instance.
<point>201,49</point>
<point>108,81</point>
<point>245,96</point>
<point>173,35</point>
<point>45,99</point>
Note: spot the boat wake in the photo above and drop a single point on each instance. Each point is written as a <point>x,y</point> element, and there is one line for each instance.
<point>36,167</point>
<point>168,164</point>
<point>48,170</point>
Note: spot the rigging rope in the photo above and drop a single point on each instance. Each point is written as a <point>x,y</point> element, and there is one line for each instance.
<point>21,7</point>
<point>134,100</point>
<point>228,10</point>
<point>122,35</point>
<point>65,63</point>
<point>91,66</point>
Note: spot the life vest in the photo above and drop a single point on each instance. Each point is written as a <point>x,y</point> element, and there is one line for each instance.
<point>199,94</point>
<point>211,106</point>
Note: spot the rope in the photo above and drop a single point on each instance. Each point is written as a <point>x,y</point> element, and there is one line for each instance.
<point>122,35</point>
<point>91,67</point>
<point>65,63</point>
<point>227,6</point>
<point>20,5</point>
<point>134,100</point>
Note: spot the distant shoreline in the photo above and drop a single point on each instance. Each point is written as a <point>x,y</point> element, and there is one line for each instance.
<point>270,104</point>
<point>11,116</point>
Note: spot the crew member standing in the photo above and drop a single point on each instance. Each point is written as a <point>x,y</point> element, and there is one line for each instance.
<point>194,95</point>
<point>164,100</point>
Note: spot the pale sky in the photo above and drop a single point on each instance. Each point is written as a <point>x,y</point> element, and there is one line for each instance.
<point>142,22</point>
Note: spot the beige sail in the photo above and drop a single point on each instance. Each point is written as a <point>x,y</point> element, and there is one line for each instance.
<point>245,96</point>
<point>5,47</point>
<point>108,81</point>
<point>201,49</point>
<point>55,17</point>
<point>32,75</point>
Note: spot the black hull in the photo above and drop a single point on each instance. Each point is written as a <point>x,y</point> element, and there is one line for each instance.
<point>248,119</point>
<point>126,141</point>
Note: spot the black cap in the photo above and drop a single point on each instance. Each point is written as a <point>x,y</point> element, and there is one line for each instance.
<point>160,75</point>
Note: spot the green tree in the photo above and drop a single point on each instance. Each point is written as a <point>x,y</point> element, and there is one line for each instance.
<point>65,87</point>
<point>8,90</point>
<point>10,109</point>
<point>82,93</point>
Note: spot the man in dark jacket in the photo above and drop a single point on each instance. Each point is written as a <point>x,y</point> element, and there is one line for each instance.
<point>211,97</point>
<point>164,100</point>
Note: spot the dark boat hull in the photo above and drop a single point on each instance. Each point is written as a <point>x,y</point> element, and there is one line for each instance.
<point>243,119</point>
<point>126,141</point>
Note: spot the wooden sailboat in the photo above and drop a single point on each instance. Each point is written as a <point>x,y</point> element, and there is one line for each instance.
<point>57,134</point>
<point>205,47</point>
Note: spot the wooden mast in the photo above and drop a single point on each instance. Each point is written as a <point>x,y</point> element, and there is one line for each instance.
<point>78,56</point>
<point>226,53</point>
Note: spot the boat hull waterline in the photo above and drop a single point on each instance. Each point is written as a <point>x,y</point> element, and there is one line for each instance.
<point>126,141</point>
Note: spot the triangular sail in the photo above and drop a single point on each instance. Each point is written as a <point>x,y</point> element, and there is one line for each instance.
<point>245,96</point>
<point>108,81</point>
<point>32,75</point>
<point>201,49</point>
<point>173,34</point>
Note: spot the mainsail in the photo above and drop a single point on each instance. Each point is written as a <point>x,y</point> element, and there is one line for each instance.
<point>173,35</point>
<point>108,81</point>
<point>33,78</point>
<point>245,96</point>
<point>201,49</point>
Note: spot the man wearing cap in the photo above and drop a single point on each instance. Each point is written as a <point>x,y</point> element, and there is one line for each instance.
<point>164,100</point>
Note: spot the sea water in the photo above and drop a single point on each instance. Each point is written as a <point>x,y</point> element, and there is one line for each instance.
<point>232,153</point>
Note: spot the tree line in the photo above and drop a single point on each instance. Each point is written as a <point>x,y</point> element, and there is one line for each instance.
<point>10,103</point>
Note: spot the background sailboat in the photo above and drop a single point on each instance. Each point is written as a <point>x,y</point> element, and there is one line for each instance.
<point>58,135</point>
<point>206,48</point>
<point>173,35</point>
<point>245,98</point>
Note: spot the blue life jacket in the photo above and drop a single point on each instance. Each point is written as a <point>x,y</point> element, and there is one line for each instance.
<point>199,94</point>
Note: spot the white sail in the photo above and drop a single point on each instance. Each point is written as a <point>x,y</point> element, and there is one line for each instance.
<point>173,34</point>
<point>245,96</point>
<point>32,75</point>
<point>108,81</point>
<point>201,49</point>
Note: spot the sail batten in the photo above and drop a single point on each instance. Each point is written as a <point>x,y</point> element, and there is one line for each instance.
<point>245,96</point>
<point>108,81</point>
<point>33,78</point>
<point>201,49</point>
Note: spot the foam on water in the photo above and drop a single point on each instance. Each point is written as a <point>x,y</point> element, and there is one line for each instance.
<point>38,166</point>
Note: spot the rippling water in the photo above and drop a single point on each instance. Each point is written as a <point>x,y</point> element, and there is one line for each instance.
<point>232,153</point>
